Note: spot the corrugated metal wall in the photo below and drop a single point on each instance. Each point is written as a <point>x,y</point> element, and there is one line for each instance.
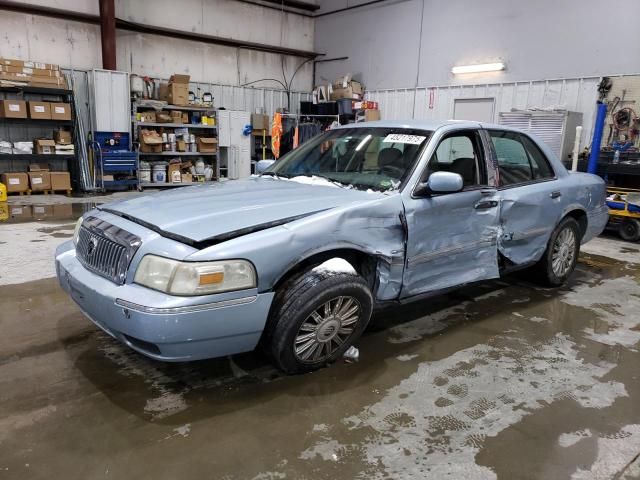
<point>247,99</point>
<point>575,94</point>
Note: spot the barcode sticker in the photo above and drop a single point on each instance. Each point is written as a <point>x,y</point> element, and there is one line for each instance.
<point>402,138</point>
<point>38,209</point>
<point>36,181</point>
<point>38,108</point>
<point>16,211</point>
<point>14,181</point>
<point>59,109</point>
<point>14,107</point>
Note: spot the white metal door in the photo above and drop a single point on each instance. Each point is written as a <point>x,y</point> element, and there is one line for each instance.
<point>475,109</point>
<point>111,101</point>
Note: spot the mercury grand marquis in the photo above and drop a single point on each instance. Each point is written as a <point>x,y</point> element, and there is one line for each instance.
<point>296,259</point>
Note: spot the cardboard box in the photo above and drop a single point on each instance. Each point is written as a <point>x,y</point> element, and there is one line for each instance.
<point>150,144</point>
<point>39,181</point>
<point>259,121</point>
<point>60,111</point>
<point>62,137</point>
<point>44,146</point>
<point>61,83</point>
<point>13,109</point>
<point>185,117</point>
<point>173,173</point>
<point>371,115</point>
<point>60,180</point>
<point>176,116</point>
<point>163,91</point>
<point>163,117</point>
<point>28,64</point>
<point>15,182</point>
<point>149,116</point>
<point>40,110</point>
<point>36,72</point>
<point>186,178</point>
<point>207,144</point>
<point>181,146</point>
<point>16,77</point>
<point>178,94</point>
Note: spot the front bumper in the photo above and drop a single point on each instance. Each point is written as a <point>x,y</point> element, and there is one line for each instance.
<point>162,326</point>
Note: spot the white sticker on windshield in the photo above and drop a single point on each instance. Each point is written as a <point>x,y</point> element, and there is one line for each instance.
<point>402,138</point>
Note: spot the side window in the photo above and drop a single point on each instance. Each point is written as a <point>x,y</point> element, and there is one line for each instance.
<point>513,161</point>
<point>539,163</point>
<point>459,153</point>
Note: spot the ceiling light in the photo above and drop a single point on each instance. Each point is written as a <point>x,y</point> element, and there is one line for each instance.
<point>483,67</point>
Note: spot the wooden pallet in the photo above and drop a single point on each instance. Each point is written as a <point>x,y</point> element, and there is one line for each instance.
<point>26,192</point>
<point>51,192</point>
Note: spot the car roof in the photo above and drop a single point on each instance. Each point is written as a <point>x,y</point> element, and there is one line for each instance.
<point>431,125</point>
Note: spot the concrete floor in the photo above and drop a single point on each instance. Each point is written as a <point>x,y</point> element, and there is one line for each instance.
<point>502,380</point>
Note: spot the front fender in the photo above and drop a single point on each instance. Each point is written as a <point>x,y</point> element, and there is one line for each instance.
<point>373,228</point>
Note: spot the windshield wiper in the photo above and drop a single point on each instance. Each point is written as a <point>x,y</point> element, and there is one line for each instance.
<point>335,182</point>
<point>275,175</point>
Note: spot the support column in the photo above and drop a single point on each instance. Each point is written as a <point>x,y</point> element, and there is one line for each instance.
<point>108,34</point>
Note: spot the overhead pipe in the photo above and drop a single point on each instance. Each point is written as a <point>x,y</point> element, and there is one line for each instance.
<point>601,115</point>
<point>108,34</point>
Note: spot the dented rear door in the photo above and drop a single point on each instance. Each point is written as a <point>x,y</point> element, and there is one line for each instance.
<point>531,201</point>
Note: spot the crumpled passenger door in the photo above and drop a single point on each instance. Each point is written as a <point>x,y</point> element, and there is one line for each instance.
<point>452,238</point>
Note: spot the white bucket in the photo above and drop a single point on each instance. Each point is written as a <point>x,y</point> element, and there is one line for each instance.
<point>159,173</point>
<point>145,175</point>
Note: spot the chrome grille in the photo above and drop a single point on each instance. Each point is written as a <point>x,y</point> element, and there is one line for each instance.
<point>105,249</point>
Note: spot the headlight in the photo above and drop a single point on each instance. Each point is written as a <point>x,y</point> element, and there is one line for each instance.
<point>76,231</point>
<point>194,278</point>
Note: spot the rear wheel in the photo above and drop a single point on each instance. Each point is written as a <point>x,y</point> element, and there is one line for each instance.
<point>316,317</point>
<point>560,257</point>
<point>630,230</point>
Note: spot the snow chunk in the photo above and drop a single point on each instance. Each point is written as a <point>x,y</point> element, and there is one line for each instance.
<point>313,180</point>
<point>336,265</point>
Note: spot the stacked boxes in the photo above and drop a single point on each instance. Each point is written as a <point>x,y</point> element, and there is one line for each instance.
<point>44,75</point>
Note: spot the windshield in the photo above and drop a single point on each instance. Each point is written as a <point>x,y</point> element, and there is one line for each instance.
<point>363,158</point>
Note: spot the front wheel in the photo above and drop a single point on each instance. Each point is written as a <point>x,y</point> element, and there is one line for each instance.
<point>560,257</point>
<point>630,230</point>
<point>316,317</point>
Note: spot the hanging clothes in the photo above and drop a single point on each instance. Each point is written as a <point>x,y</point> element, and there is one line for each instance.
<point>295,138</point>
<point>276,133</point>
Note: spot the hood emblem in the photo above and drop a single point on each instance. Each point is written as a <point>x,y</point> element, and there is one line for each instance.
<point>93,245</point>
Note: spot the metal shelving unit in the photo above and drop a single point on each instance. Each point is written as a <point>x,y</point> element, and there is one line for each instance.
<point>175,125</point>
<point>209,130</point>
<point>27,129</point>
<point>178,154</point>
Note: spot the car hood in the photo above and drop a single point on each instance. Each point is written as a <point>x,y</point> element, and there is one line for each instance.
<point>223,210</point>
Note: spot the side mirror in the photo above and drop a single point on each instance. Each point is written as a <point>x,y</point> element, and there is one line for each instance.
<point>439,183</point>
<point>262,165</point>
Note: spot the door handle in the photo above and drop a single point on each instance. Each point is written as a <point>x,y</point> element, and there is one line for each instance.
<point>486,204</point>
<point>555,194</point>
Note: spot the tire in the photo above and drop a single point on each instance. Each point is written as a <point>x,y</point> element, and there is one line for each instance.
<point>567,232</point>
<point>630,230</point>
<point>299,306</point>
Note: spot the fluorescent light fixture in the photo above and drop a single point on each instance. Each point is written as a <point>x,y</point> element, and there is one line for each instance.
<point>483,67</point>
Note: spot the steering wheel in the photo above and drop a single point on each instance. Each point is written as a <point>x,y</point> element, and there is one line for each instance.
<point>392,171</point>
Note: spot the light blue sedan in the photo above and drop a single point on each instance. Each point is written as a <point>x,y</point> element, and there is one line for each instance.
<point>296,259</point>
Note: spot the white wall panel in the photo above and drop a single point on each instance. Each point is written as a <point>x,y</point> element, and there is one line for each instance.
<point>575,94</point>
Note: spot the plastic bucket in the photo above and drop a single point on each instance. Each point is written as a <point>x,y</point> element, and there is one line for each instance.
<point>159,173</point>
<point>144,172</point>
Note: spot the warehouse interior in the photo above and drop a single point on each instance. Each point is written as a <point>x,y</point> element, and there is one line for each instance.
<point>178,121</point>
